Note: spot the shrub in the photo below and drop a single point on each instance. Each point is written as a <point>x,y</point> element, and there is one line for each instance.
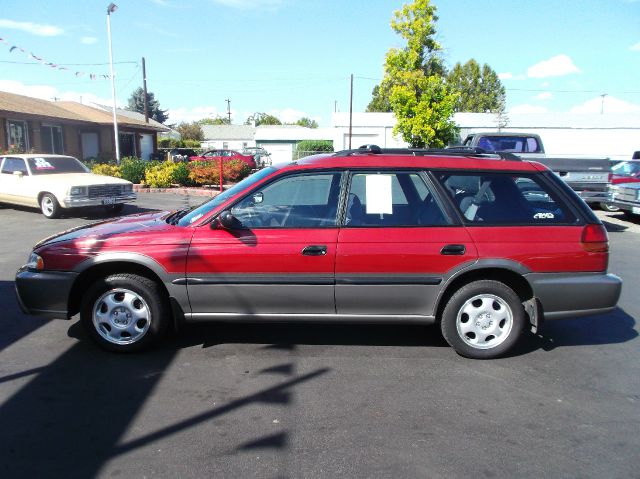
<point>160,175</point>
<point>195,144</point>
<point>132,169</point>
<point>180,174</point>
<point>310,147</point>
<point>208,172</point>
<point>106,169</point>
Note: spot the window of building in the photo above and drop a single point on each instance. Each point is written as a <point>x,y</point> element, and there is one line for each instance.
<point>51,139</point>
<point>17,135</point>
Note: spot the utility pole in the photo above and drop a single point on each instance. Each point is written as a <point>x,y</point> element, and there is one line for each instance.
<point>229,109</point>
<point>351,112</point>
<point>602,104</point>
<point>144,87</point>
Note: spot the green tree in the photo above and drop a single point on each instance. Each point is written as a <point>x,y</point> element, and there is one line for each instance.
<point>136,103</point>
<point>379,101</point>
<point>479,88</point>
<point>190,131</point>
<point>218,120</point>
<point>307,122</point>
<point>263,119</point>
<point>414,80</point>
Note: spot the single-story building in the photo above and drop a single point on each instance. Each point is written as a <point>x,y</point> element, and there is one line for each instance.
<point>610,135</point>
<point>278,140</point>
<point>64,127</point>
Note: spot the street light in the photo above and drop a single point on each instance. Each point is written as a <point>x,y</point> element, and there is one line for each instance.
<point>110,9</point>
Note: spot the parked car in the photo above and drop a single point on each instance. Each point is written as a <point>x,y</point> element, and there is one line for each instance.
<point>178,155</point>
<point>621,172</point>
<point>54,183</point>
<point>260,155</point>
<point>483,247</point>
<point>588,176</point>
<point>626,197</point>
<point>226,155</point>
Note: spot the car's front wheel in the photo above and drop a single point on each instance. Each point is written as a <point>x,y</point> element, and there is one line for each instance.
<point>49,206</point>
<point>483,319</point>
<point>125,312</point>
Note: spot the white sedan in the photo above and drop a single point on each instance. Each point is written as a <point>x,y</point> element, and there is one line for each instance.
<point>54,182</point>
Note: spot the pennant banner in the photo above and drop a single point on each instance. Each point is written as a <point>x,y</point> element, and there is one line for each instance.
<point>92,76</point>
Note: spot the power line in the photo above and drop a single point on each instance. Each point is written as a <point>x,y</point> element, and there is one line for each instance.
<point>69,64</point>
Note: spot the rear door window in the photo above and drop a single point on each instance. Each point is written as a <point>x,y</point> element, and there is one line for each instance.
<point>505,199</point>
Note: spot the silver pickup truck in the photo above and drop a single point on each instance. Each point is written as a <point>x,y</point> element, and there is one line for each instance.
<point>588,176</point>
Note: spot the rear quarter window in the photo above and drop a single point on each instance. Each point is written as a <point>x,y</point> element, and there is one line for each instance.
<point>505,199</point>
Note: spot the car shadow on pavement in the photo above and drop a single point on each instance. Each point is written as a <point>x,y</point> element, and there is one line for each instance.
<point>15,324</point>
<point>82,411</point>
<point>612,328</point>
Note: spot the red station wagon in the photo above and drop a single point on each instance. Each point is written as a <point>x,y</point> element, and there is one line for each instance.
<point>483,246</point>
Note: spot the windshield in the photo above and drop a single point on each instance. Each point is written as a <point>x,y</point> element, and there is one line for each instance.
<point>511,144</point>
<point>209,206</point>
<point>627,168</point>
<point>55,164</point>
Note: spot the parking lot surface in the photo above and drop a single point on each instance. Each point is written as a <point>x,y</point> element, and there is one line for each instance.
<point>293,401</point>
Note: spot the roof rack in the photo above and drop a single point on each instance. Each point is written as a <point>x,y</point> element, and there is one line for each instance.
<point>465,151</point>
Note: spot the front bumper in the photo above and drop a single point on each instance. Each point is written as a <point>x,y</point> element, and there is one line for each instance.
<point>632,206</point>
<point>83,201</point>
<point>44,293</point>
<point>565,295</point>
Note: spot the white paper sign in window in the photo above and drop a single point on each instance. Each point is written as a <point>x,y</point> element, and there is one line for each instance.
<point>378,191</point>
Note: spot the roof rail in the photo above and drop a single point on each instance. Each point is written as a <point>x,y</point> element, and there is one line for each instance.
<point>465,151</point>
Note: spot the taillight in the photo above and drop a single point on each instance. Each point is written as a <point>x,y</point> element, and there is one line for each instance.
<point>595,239</point>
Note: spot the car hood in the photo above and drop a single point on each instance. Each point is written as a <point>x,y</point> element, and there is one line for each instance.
<point>80,179</point>
<point>128,226</point>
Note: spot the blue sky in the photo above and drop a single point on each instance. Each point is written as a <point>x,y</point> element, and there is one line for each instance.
<point>293,58</point>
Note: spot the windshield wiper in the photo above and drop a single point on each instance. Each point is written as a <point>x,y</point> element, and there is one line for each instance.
<point>173,218</point>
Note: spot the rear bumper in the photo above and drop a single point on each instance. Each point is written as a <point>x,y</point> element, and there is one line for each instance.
<point>565,295</point>
<point>592,193</point>
<point>44,293</point>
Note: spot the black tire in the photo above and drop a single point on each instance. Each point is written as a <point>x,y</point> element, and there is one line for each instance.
<point>483,319</point>
<point>609,207</point>
<point>49,206</point>
<point>115,302</point>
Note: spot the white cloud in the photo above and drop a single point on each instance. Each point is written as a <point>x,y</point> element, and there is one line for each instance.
<point>525,108</point>
<point>46,92</point>
<point>88,40</point>
<point>510,76</point>
<point>557,66</point>
<point>610,104</point>
<point>188,115</point>
<point>545,95</point>
<point>33,28</point>
<point>250,4</point>
<point>635,48</point>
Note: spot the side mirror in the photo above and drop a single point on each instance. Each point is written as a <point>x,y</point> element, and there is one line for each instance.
<point>228,221</point>
<point>258,198</point>
<point>19,174</point>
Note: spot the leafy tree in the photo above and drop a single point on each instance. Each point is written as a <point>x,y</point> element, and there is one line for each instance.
<point>379,102</point>
<point>414,80</point>
<point>479,89</point>
<point>263,119</point>
<point>190,131</point>
<point>307,122</point>
<point>136,103</point>
<point>218,120</point>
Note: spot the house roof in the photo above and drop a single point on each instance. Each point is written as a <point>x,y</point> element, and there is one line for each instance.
<point>70,111</point>
<point>228,132</point>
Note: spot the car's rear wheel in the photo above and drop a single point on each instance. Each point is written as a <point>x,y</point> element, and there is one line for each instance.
<point>125,312</point>
<point>609,207</point>
<point>483,319</point>
<point>49,206</point>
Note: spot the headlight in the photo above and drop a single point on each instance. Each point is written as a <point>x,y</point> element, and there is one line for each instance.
<point>35,262</point>
<point>78,191</point>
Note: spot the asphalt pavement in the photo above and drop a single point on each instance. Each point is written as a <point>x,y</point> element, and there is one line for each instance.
<point>315,401</point>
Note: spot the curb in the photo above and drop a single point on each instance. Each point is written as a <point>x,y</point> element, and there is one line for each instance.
<point>178,191</point>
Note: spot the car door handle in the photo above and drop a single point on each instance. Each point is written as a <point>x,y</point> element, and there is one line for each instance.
<point>314,250</point>
<point>453,249</point>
